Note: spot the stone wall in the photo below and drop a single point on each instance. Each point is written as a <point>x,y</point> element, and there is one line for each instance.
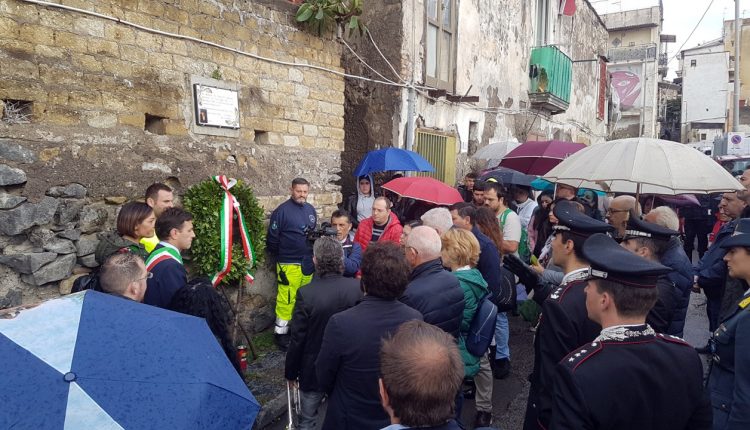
<point>111,111</point>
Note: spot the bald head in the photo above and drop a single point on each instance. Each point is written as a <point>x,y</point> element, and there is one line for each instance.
<point>421,372</point>
<point>426,242</point>
<point>620,210</point>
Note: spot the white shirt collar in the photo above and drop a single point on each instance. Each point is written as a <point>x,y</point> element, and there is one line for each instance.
<point>463,268</point>
<point>169,245</point>
<point>572,275</point>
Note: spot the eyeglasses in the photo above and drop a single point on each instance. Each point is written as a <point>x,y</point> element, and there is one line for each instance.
<point>149,275</point>
<point>412,248</point>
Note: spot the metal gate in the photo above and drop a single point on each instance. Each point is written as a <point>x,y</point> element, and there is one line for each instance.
<point>440,151</point>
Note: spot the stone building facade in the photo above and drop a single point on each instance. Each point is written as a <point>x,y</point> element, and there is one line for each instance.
<point>95,110</point>
<point>474,86</point>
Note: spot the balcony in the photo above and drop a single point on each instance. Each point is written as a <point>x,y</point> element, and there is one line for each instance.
<point>550,74</point>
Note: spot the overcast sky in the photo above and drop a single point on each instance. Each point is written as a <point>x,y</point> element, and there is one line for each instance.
<point>680,17</point>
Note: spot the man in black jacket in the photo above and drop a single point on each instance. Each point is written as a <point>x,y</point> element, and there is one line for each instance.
<point>348,365</point>
<point>649,241</point>
<point>432,290</point>
<point>328,294</point>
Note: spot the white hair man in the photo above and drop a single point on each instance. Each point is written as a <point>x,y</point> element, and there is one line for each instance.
<point>432,290</point>
<point>438,218</point>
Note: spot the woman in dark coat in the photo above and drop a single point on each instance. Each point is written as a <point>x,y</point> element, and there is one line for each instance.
<point>729,377</point>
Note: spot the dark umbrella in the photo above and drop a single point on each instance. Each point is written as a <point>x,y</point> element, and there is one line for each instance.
<point>508,176</point>
<point>388,159</point>
<point>538,158</point>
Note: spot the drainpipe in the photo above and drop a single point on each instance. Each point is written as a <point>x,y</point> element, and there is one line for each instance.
<point>411,108</point>
<point>737,41</point>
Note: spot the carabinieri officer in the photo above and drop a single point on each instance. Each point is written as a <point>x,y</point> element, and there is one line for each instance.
<point>729,378</point>
<point>629,377</point>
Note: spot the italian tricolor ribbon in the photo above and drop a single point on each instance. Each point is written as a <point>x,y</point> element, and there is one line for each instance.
<point>161,254</point>
<point>231,206</point>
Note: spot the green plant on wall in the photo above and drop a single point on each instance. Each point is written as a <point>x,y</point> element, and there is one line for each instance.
<point>204,201</point>
<point>324,14</point>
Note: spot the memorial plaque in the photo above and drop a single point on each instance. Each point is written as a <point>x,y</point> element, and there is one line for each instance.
<point>216,107</point>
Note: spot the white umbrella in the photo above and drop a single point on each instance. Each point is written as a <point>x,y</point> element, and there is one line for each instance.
<point>644,166</point>
<point>495,151</point>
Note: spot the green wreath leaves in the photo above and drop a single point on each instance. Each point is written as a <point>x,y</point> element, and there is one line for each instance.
<point>204,201</point>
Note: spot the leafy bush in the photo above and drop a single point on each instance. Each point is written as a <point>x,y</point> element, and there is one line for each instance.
<point>323,14</point>
<point>204,201</point>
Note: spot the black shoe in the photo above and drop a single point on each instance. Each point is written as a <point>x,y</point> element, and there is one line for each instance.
<point>282,341</point>
<point>501,369</point>
<point>483,419</point>
<point>469,389</point>
<point>706,349</point>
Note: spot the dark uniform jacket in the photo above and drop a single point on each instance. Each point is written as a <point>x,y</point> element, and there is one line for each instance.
<point>348,365</point>
<point>634,380</point>
<point>437,294</point>
<point>563,327</point>
<point>286,240</point>
<point>316,303</point>
<point>729,378</point>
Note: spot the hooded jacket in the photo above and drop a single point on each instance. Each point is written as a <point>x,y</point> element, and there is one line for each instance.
<point>111,242</point>
<point>474,288</point>
<point>351,203</point>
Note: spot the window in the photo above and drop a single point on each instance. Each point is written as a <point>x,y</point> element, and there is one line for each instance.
<point>542,22</point>
<point>440,56</point>
<point>693,63</point>
<point>703,136</point>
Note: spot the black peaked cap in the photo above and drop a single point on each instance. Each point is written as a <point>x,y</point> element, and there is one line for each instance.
<point>614,263</point>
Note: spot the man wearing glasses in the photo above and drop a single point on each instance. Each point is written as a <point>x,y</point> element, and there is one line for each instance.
<point>175,229</point>
<point>620,211</point>
<point>124,275</point>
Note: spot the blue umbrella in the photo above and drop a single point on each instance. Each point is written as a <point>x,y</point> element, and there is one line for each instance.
<point>91,360</point>
<point>386,159</point>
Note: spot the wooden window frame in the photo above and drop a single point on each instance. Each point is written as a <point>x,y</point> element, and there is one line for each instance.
<point>436,82</point>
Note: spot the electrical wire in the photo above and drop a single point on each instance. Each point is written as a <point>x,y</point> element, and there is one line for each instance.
<point>215,45</point>
<point>385,81</point>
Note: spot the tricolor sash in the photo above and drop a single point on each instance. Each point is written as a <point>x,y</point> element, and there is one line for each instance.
<point>231,206</point>
<point>161,254</point>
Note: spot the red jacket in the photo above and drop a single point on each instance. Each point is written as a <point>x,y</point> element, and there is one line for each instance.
<point>392,232</point>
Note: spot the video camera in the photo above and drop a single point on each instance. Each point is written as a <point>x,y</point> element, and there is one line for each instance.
<point>325,229</point>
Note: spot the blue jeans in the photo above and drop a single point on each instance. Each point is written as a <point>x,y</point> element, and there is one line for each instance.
<point>502,332</point>
<point>309,401</point>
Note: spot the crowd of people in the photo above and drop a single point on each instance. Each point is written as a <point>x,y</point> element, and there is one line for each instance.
<point>378,313</point>
<point>142,260</point>
<point>605,286</point>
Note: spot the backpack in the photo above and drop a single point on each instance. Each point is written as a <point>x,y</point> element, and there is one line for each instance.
<point>482,327</point>
<point>87,282</point>
<point>524,252</point>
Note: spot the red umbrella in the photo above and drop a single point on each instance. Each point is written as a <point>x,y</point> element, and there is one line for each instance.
<point>424,189</point>
<point>538,158</point>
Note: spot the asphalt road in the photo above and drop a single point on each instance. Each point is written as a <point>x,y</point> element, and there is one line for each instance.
<point>509,395</point>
